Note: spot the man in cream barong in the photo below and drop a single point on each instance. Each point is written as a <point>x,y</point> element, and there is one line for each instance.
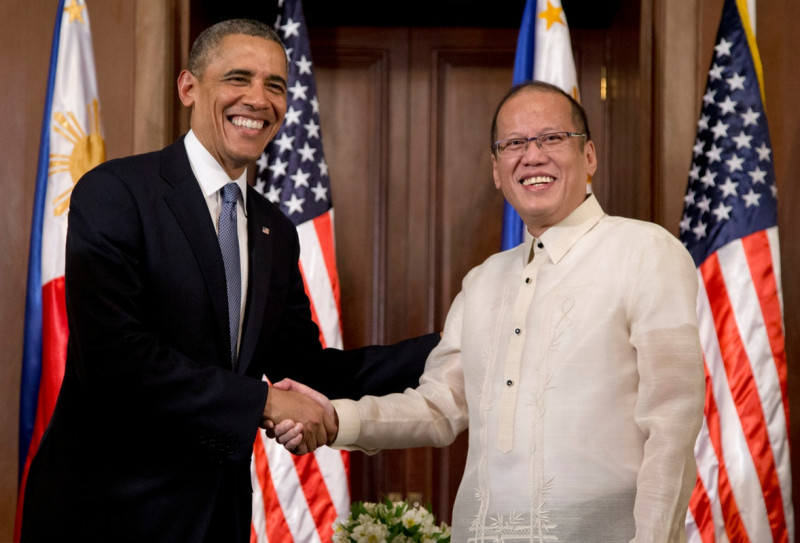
<point>574,358</point>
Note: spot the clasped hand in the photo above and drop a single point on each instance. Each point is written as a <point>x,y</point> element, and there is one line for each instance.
<point>298,417</point>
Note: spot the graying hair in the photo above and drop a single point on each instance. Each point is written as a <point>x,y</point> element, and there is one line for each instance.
<point>209,39</point>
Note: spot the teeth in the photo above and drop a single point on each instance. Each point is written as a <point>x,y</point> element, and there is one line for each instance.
<point>247,123</point>
<point>539,180</point>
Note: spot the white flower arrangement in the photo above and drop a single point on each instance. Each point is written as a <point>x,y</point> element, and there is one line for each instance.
<point>390,522</point>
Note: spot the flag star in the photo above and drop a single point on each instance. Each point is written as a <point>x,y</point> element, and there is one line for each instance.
<point>320,192</point>
<point>727,106</point>
<point>734,163</point>
<point>552,15</point>
<point>261,162</point>
<point>323,167</point>
<point>307,153</point>
<point>715,72</point>
<point>298,91</point>
<point>284,142</point>
<point>291,28</point>
<point>722,212</point>
<point>312,129</point>
<point>698,147</point>
<point>259,184</point>
<point>702,124</point>
<point>685,223</point>
<point>714,154</point>
<point>292,116</point>
<point>763,152</point>
<point>700,230</point>
<point>728,188</point>
<point>303,65</point>
<point>723,48</point>
<point>694,173</point>
<point>294,204</point>
<point>774,191</point>
<point>278,168</point>
<point>758,175</point>
<point>720,129</point>
<point>708,178</point>
<point>273,194</point>
<point>75,12</point>
<point>314,104</point>
<point>708,97</point>
<point>736,81</point>
<point>289,53</point>
<point>742,140</point>
<point>300,178</point>
<point>750,117</point>
<point>689,198</point>
<point>751,199</point>
<point>704,204</point>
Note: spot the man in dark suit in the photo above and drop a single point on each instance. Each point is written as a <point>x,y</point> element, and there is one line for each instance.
<point>163,394</point>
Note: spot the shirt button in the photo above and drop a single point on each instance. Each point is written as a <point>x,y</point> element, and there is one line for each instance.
<point>517,331</point>
<point>509,382</point>
<point>527,280</point>
<point>540,245</point>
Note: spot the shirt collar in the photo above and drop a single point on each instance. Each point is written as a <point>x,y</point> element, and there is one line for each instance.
<point>208,171</point>
<point>560,238</point>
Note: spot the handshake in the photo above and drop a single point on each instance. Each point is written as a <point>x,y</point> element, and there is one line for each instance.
<point>298,417</point>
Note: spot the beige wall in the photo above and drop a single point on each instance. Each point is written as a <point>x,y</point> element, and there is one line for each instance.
<point>26,29</point>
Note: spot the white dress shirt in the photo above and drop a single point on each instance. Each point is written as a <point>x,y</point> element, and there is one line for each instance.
<point>212,178</point>
<point>580,374</point>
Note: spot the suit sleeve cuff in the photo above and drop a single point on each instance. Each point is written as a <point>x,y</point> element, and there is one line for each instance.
<point>349,422</point>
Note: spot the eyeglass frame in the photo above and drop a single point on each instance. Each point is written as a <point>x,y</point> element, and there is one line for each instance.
<point>535,139</point>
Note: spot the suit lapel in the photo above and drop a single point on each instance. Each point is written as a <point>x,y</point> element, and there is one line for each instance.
<point>185,199</point>
<point>260,245</point>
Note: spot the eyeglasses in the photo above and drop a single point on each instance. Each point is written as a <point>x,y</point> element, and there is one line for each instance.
<point>512,147</point>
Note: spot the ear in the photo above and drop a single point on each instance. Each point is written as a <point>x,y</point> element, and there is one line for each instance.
<point>591,157</point>
<point>186,84</point>
<point>495,174</point>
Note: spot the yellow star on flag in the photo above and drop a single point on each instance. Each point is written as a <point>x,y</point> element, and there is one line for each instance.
<point>76,12</point>
<point>552,15</point>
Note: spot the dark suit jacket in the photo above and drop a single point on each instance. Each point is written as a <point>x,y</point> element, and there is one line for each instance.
<point>152,434</point>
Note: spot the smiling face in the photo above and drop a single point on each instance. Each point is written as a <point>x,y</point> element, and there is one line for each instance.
<point>239,100</point>
<point>543,187</point>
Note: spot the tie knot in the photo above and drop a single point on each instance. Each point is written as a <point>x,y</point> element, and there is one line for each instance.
<point>230,193</point>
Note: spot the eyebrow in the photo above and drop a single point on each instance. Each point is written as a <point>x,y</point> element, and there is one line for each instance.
<point>249,73</point>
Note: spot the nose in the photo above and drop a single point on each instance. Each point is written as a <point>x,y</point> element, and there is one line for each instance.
<point>533,153</point>
<point>256,97</point>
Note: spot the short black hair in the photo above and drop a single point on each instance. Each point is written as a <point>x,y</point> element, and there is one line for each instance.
<point>578,113</point>
<point>209,39</point>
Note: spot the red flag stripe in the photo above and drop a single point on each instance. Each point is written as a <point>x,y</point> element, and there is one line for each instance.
<point>729,460</point>
<point>316,493</point>
<point>273,523</point>
<point>744,388</point>
<point>323,225</point>
<point>322,284</point>
<point>312,306</point>
<point>759,260</point>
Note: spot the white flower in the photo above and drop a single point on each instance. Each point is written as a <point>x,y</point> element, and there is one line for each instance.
<point>390,522</point>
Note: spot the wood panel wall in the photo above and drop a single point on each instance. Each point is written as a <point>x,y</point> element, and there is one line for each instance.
<point>405,115</point>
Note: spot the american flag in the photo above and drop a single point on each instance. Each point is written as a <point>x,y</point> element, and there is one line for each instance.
<point>297,498</point>
<point>729,225</point>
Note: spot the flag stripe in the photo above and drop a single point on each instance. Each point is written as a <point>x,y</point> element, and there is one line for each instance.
<point>310,491</point>
<point>71,118</point>
<point>743,383</point>
<point>729,226</point>
<point>316,493</point>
